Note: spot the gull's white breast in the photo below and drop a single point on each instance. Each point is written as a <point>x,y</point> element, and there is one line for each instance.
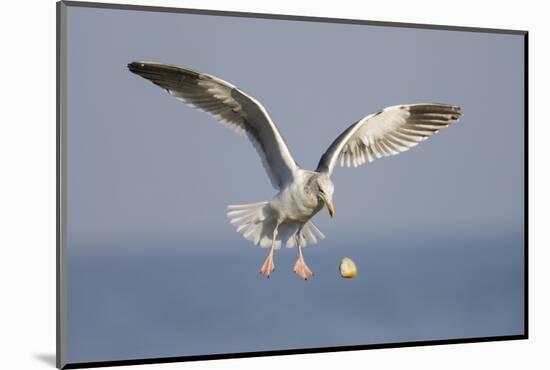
<point>294,203</point>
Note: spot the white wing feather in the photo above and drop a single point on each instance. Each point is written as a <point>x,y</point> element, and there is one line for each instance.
<point>389,132</point>
<point>230,106</point>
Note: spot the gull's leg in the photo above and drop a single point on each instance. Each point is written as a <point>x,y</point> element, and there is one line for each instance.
<point>300,266</point>
<point>269,266</point>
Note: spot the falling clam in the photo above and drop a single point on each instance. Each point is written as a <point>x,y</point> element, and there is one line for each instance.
<point>348,270</point>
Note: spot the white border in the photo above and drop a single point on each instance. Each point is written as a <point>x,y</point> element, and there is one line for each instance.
<point>27,181</point>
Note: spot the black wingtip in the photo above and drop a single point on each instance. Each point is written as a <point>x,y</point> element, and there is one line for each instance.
<point>145,67</point>
<point>459,111</point>
<point>136,67</point>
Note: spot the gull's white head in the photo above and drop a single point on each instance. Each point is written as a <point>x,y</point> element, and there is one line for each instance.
<point>325,190</point>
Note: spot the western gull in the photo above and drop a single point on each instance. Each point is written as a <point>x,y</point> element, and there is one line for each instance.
<point>286,219</point>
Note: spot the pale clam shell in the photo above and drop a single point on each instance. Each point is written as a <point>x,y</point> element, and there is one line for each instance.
<point>348,270</point>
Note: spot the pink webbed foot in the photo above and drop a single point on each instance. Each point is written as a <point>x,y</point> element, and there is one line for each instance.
<point>269,266</point>
<point>301,269</point>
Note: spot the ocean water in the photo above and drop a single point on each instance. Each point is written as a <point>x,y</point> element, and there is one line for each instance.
<point>149,300</point>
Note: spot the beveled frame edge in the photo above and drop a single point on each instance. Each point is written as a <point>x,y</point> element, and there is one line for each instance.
<point>526,182</point>
<point>61,109</point>
<point>227,13</point>
<point>222,356</point>
<point>61,309</point>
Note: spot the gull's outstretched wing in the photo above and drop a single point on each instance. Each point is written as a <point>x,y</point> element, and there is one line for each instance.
<point>389,132</point>
<point>230,106</point>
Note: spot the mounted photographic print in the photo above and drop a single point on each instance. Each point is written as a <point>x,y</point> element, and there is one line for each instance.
<point>235,184</point>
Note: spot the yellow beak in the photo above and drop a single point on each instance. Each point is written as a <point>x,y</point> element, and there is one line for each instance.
<point>330,208</point>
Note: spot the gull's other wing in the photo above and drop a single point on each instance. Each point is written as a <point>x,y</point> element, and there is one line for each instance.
<point>230,106</point>
<point>389,132</point>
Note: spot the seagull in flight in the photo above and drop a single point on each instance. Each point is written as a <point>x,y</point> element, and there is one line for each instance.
<point>286,218</point>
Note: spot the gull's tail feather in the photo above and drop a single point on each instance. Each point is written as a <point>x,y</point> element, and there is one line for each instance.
<point>256,221</point>
<point>310,235</point>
